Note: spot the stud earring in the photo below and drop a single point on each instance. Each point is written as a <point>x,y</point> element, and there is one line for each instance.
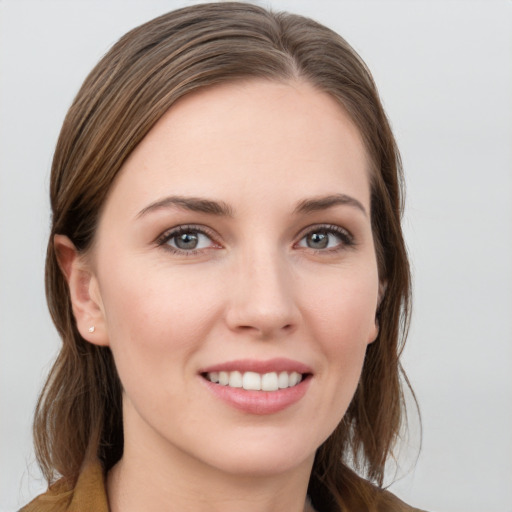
<point>92,328</point>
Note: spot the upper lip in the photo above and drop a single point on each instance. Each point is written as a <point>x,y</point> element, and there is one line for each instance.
<point>280,364</point>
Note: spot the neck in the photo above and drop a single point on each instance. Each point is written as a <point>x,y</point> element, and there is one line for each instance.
<point>133,485</point>
<point>155,477</point>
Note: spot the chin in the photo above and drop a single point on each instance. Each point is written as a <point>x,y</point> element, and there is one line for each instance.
<point>263,464</point>
<point>262,456</point>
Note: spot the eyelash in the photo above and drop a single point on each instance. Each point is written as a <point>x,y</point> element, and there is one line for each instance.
<point>162,240</point>
<point>346,238</point>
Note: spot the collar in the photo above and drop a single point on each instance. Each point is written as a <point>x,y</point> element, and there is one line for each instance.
<point>89,494</point>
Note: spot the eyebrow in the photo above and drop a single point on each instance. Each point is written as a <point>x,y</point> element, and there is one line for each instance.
<point>324,202</point>
<point>193,204</point>
<point>222,209</point>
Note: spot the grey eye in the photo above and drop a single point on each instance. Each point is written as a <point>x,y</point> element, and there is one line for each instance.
<point>325,238</point>
<point>318,240</point>
<point>189,240</point>
<point>186,241</point>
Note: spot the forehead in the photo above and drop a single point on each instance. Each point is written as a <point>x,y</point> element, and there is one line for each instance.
<point>240,139</point>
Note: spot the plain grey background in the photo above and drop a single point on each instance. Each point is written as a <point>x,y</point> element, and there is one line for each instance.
<point>444,71</point>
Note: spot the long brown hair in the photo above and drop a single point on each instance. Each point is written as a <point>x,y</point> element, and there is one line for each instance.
<point>78,415</point>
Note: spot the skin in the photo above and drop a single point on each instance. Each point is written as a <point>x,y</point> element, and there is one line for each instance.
<point>257,288</point>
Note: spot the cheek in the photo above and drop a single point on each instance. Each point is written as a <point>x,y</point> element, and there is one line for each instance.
<point>342,317</point>
<point>155,319</point>
<point>342,305</point>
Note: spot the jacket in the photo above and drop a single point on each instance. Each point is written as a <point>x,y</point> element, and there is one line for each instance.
<point>89,495</point>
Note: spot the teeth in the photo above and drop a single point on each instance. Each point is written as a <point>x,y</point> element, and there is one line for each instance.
<point>269,382</point>
<point>253,381</point>
<point>224,378</point>
<point>235,380</point>
<point>283,380</point>
<point>294,379</point>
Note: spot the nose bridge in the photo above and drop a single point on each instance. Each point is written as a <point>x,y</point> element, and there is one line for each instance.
<point>262,297</point>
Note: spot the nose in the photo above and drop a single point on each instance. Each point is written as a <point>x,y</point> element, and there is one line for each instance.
<point>262,296</point>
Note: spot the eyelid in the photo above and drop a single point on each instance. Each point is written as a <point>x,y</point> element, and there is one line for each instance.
<point>164,237</point>
<point>347,238</point>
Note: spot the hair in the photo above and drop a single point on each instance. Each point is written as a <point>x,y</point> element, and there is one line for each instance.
<point>78,415</point>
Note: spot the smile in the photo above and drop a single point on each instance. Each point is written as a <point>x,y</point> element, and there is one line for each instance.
<point>258,387</point>
<point>253,381</point>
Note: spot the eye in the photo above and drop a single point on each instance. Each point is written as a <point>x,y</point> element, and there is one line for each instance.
<point>327,238</point>
<point>186,239</point>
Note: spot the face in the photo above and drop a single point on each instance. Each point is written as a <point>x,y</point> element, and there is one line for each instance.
<point>235,253</point>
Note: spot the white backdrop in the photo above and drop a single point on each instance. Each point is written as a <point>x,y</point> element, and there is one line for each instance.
<point>444,70</point>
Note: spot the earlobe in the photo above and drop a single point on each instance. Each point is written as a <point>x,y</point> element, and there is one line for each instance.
<point>374,331</point>
<point>83,290</point>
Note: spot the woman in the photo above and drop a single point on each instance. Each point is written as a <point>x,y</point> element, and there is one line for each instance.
<point>227,272</point>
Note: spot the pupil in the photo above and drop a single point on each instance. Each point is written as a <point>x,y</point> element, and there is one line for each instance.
<point>318,240</point>
<point>186,241</point>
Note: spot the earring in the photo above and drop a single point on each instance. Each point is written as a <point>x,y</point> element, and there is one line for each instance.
<point>92,328</point>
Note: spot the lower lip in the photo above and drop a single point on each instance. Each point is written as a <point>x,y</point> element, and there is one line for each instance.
<point>259,402</point>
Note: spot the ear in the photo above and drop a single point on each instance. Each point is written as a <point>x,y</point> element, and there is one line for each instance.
<point>375,330</point>
<point>83,290</point>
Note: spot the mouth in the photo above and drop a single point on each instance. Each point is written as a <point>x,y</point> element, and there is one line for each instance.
<point>254,381</point>
<point>256,386</point>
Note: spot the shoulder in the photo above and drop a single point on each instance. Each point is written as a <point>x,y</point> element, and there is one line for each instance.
<point>55,499</point>
<point>376,499</point>
<point>88,495</point>
<point>388,502</point>
<point>354,493</point>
